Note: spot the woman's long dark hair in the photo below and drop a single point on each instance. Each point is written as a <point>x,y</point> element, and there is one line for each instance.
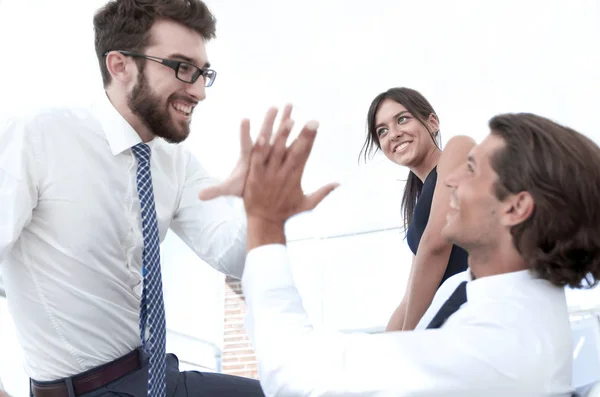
<point>421,109</point>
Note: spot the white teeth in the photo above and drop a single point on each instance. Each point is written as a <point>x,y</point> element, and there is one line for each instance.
<point>183,108</point>
<point>399,148</point>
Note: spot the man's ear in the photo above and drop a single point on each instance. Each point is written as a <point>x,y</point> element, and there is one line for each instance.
<point>121,68</point>
<point>517,208</point>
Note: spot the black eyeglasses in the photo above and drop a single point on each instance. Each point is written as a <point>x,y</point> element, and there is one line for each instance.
<point>184,71</point>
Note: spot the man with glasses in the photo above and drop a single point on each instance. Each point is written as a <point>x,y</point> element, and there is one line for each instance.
<point>89,194</point>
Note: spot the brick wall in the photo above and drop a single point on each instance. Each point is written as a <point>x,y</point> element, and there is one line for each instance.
<point>238,355</point>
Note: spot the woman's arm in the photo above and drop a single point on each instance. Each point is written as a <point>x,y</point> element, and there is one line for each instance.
<point>396,322</point>
<point>432,256</point>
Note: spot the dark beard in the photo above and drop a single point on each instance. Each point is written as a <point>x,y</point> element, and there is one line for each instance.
<point>148,108</point>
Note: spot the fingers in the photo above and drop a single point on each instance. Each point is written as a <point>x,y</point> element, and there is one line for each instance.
<point>213,192</point>
<point>267,127</point>
<point>298,152</point>
<point>280,144</point>
<point>312,200</point>
<point>285,127</point>
<point>245,139</point>
<point>259,155</point>
<point>263,141</point>
<point>286,115</point>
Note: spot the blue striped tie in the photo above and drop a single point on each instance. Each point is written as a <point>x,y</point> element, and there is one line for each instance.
<point>152,309</point>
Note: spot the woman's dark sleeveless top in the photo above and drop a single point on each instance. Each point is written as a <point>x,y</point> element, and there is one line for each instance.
<point>458,256</point>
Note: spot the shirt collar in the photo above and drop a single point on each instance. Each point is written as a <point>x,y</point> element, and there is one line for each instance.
<point>119,133</point>
<point>491,287</point>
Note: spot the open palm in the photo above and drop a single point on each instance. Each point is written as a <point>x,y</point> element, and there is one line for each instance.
<point>235,182</point>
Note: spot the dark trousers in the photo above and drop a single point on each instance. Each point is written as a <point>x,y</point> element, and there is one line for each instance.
<point>180,384</point>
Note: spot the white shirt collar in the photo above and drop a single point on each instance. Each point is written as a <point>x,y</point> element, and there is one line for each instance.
<point>119,133</point>
<point>491,287</point>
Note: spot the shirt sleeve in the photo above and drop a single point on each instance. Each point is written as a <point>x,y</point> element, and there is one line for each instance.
<point>18,181</point>
<point>297,360</point>
<point>215,229</point>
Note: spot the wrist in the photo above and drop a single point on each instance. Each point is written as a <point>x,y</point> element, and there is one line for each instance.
<point>263,231</point>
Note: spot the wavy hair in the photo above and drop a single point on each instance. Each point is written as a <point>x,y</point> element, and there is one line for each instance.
<point>560,168</point>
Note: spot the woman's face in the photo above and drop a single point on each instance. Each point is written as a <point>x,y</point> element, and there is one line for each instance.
<point>402,137</point>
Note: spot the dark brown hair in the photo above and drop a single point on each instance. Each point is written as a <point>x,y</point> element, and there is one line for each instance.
<point>421,109</point>
<point>560,168</point>
<point>125,24</point>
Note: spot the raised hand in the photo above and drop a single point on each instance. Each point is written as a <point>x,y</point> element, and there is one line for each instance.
<point>234,184</point>
<point>273,191</point>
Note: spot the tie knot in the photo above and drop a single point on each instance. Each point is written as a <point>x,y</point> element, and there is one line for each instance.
<point>141,152</point>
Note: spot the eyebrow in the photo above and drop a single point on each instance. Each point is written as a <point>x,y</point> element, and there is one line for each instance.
<point>395,117</point>
<point>188,60</point>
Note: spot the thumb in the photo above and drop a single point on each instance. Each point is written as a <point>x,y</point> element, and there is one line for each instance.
<point>313,199</point>
<point>213,192</point>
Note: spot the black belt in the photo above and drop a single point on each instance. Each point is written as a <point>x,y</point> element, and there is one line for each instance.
<point>90,380</point>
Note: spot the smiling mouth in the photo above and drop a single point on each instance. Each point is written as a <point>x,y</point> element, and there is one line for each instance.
<point>184,109</point>
<point>401,147</point>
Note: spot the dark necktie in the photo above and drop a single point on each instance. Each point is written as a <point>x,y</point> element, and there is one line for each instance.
<point>456,300</point>
<point>152,310</point>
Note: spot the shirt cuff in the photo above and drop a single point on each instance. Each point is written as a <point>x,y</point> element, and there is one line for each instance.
<point>267,267</point>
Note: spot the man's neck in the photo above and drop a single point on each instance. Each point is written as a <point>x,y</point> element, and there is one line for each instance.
<point>120,103</point>
<point>485,263</point>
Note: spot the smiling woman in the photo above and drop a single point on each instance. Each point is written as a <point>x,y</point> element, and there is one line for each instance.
<point>405,127</point>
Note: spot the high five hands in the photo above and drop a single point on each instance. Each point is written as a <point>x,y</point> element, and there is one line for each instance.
<point>235,183</point>
<point>268,174</point>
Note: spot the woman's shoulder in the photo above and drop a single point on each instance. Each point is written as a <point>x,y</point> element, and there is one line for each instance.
<point>459,141</point>
<point>455,153</point>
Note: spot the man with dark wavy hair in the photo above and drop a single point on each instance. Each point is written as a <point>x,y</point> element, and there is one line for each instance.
<point>89,194</point>
<point>525,207</point>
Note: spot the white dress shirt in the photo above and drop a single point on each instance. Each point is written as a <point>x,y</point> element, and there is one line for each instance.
<point>71,237</point>
<point>441,295</point>
<point>511,339</point>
